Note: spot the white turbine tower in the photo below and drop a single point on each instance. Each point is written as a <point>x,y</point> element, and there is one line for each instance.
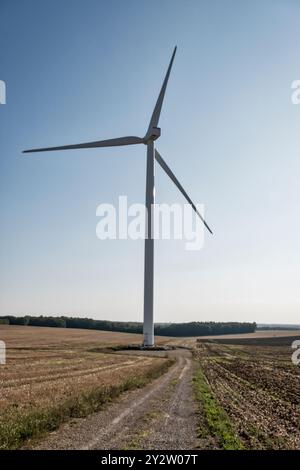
<point>152,134</point>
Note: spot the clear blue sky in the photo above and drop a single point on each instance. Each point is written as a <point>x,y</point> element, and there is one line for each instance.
<point>86,70</point>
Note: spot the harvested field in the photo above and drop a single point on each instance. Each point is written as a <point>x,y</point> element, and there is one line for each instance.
<point>40,337</point>
<point>52,375</point>
<point>257,335</point>
<point>245,393</point>
<point>256,383</point>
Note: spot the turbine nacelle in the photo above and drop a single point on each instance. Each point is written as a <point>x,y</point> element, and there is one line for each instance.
<point>152,134</point>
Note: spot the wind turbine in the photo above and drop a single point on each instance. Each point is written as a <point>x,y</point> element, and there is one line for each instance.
<point>152,134</point>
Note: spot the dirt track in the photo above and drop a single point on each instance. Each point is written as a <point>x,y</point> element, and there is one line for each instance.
<point>161,415</point>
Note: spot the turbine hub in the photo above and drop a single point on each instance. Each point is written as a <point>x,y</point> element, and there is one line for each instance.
<point>152,134</point>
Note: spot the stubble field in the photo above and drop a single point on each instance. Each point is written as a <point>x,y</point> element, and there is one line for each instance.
<point>52,375</point>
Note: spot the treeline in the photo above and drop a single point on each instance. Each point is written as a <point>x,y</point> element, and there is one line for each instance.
<point>278,327</point>
<point>163,329</point>
<point>203,328</point>
<point>35,321</point>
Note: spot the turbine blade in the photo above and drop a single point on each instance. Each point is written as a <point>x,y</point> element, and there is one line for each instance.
<point>156,112</point>
<point>169,172</point>
<point>130,140</point>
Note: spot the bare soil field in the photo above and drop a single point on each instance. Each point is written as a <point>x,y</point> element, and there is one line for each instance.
<point>52,375</point>
<point>256,383</point>
<point>257,334</point>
